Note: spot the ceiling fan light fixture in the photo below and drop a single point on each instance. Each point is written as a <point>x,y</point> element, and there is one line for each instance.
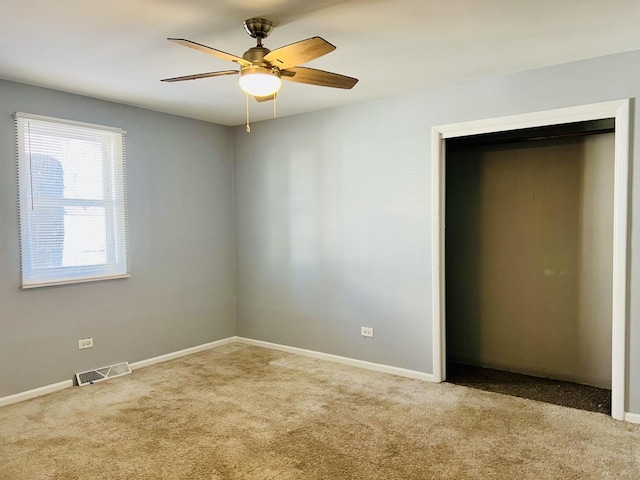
<point>259,81</point>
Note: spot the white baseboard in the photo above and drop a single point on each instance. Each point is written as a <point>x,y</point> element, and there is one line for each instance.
<point>36,392</point>
<point>631,417</point>
<point>182,353</point>
<point>402,372</point>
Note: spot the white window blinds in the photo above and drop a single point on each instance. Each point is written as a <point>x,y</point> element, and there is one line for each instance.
<point>72,201</point>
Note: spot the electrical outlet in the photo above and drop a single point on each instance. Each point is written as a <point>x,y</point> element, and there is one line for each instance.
<point>85,343</point>
<point>366,331</point>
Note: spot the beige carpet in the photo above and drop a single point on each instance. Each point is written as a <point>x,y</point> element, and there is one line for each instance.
<point>240,412</point>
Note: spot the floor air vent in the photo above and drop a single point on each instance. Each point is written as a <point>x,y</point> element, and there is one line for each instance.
<point>99,374</point>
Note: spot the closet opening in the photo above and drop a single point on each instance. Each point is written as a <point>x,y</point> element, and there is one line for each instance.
<point>528,262</point>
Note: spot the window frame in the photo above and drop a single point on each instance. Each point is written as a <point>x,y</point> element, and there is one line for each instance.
<point>114,202</point>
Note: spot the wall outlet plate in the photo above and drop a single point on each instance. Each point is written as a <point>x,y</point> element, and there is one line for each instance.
<point>366,331</point>
<point>85,343</point>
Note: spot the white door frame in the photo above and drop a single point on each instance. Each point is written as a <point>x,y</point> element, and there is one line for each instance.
<point>618,109</point>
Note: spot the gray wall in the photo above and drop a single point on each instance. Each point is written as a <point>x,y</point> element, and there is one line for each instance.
<point>333,212</point>
<point>333,228</point>
<point>529,252</point>
<point>181,230</point>
<point>333,233</point>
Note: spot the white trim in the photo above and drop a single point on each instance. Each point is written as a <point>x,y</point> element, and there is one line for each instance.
<point>620,110</point>
<point>580,113</point>
<point>36,392</point>
<point>377,367</point>
<point>72,282</point>
<point>437,252</point>
<point>620,247</point>
<point>181,353</point>
<point>632,417</point>
<point>75,123</point>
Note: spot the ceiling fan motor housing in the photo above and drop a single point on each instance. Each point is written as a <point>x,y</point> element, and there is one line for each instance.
<point>258,27</point>
<point>255,55</point>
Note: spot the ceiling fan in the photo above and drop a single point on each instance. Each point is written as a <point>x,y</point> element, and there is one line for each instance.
<point>261,69</point>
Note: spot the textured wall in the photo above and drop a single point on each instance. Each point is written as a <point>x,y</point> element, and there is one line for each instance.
<point>180,293</point>
<point>333,212</point>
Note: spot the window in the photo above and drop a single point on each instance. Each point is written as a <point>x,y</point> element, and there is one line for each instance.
<point>72,201</point>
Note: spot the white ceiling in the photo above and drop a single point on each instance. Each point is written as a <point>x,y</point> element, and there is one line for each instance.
<point>117,49</point>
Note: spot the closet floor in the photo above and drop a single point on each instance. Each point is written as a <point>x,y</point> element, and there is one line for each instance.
<point>558,392</point>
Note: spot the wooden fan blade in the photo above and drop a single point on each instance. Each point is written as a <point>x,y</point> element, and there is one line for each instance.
<point>318,77</point>
<point>209,50</point>
<point>200,75</point>
<point>298,53</point>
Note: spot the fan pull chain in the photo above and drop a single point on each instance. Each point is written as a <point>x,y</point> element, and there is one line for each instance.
<point>275,96</point>
<point>247,126</point>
